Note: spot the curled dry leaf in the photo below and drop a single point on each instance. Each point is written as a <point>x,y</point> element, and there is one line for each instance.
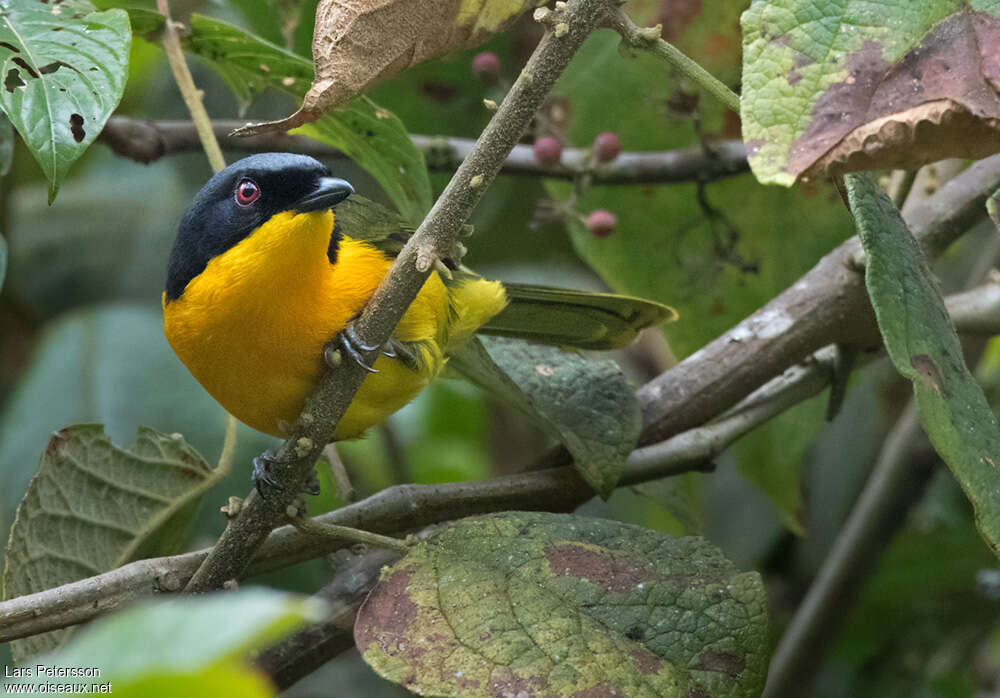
<point>865,87</point>
<point>357,42</point>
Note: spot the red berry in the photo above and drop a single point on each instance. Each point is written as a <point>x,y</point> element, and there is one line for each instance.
<point>601,223</point>
<point>548,151</point>
<point>607,146</point>
<point>486,66</point>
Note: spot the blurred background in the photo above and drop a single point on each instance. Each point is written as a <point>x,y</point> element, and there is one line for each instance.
<point>81,337</point>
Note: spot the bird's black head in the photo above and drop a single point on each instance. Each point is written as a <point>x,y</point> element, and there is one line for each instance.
<point>243,197</point>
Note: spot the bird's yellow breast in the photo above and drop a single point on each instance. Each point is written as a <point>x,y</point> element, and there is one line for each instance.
<point>252,326</point>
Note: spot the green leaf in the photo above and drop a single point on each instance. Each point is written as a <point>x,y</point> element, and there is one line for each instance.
<point>924,347</point>
<point>94,506</point>
<point>557,605</point>
<point>373,137</point>
<point>64,70</point>
<point>195,646</point>
<point>587,405</point>
<point>841,86</point>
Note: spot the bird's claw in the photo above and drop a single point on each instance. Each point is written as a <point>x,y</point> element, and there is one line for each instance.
<point>355,348</point>
<point>264,480</point>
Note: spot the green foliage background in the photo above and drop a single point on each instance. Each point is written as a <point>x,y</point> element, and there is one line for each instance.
<point>81,338</point>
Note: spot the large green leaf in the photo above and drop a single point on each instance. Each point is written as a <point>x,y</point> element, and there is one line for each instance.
<point>64,70</point>
<point>196,647</point>
<point>93,506</point>
<point>924,347</point>
<point>373,137</point>
<point>840,86</point>
<point>587,405</point>
<point>556,605</point>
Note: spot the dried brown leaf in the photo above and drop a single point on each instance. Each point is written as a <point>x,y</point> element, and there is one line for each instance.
<point>891,88</point>
<point>357,42</point>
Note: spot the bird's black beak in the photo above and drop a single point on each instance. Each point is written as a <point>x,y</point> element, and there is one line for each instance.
<point>328,191</point>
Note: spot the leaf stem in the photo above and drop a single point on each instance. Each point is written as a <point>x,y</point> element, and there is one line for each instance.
<point>649,39</point>
<point>225,463</point>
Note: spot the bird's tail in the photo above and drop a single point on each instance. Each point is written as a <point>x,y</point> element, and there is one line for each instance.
<point>579,319</point>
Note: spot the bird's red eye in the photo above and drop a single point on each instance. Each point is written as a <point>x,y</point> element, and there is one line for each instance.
<point>247,192</point>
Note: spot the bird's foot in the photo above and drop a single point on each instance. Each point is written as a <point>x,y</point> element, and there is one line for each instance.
<point>349,341</point>
<point>263,478</point>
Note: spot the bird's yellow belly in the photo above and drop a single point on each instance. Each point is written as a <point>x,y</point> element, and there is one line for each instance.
<point>256,344</point>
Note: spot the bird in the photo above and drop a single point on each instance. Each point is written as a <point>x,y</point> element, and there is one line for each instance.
<point>275,257</point>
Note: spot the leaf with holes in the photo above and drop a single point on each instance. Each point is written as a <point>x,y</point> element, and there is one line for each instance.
<point>64,68</point>
<point>373,137</point>
<point>554,605</point>
<point>924,347</point>
<point>588,405</point>
<point>94,506</point>
<point>834,87</point>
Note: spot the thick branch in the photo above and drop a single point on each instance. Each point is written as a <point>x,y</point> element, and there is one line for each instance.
<point>436,238</point>
<point>146,141</point>
<point>827,305</point>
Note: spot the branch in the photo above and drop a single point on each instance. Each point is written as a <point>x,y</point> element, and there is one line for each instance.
<point>435,239</point>
<point>304,652</point>
<point>904,469</point>
<point>905,466</point>
<point>147,141</point>
<point>825,306</point>
<point>405,507</point>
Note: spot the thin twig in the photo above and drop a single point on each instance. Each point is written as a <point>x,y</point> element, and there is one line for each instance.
<point>649,39</point>
<point>147,141</point>
<point>208,143</point>
<point>191,94</point>
<point>344,485</point>
<point>435,239</point>
<point>313,527</point>
<point>894,486</point>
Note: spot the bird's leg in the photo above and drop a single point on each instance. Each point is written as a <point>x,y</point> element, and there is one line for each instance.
<point>264,481</point>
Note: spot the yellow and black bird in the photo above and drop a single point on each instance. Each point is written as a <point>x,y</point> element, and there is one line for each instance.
<point>262,275</point>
